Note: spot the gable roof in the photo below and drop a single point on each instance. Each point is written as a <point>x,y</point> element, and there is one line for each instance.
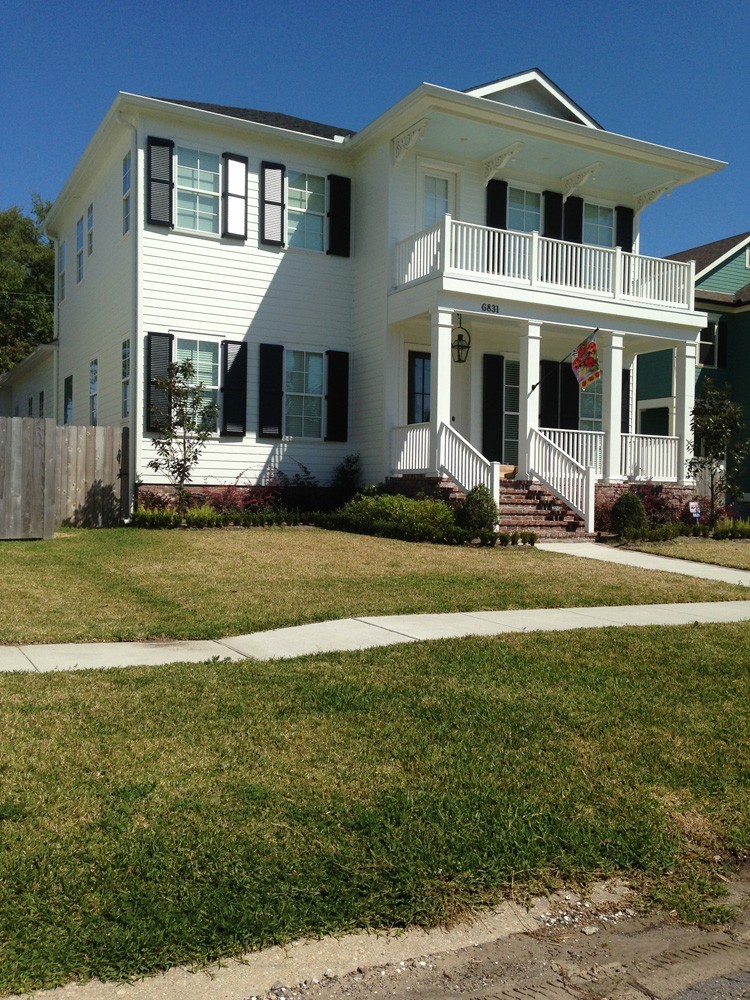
<point>710,255</point>
<point>535,86</point>
<point>275,118</point>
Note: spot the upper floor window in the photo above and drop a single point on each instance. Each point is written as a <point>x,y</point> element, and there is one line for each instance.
<point>306,209</point>
<point>303,394</point>
<point>524,210</point>
<point>90,230</point>
<point>436,199</point>
<point>93,391</point>
<point>712,344</point>
<point>598,225</point>
<point>204,355</point>
<point>79,250</point>
<point>61,273</point>
<point>198,190</point>
<point>126,193</point>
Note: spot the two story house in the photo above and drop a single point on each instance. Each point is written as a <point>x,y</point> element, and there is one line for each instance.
<point>412,292</point>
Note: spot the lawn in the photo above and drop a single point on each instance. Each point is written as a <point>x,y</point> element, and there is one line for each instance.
<point>157,816</point>
<point>127,584</point>
<point>734,553</point>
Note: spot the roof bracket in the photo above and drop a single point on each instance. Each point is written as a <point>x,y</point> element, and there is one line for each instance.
<point>404,142</point>
<point>500,161</point>
<point>644,198</point>
<point>573,182</point>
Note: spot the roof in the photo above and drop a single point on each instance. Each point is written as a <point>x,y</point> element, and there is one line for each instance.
<point>533,76</point>
<point>707,296</point>
<point>708,255</point>
<point>274,118</point>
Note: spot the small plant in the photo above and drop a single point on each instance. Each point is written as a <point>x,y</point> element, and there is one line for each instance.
<point>628,517</point>
<point>529,538</point>
<point>477,514</point>
<point>396,516</point>
<point>302,491</point>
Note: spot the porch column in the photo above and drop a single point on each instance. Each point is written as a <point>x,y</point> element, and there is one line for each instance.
<point>611,364</point>
<point>528,404</point>
<point>684,389</point>
<point>441,322</point>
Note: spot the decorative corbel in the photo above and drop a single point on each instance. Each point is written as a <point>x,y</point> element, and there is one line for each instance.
<point>404,142</point>
<point>500,160</point>
<point>573,182</point>
<point>644,198</point>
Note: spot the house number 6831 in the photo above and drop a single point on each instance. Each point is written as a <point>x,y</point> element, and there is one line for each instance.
<point>490,307</point>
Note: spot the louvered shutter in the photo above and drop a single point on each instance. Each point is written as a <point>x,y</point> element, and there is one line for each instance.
<point>270,391</point>
<point>339,216</point>
<point>234,388</point>
<point>553,214</point>
<point>337,398</point>
<point>158,358</point>
<point>492,406</point>
<point>573,220</point>
<point>160,183</point>
<point>721,343</point>
<point>272,204</point>
<point>497,204</point>
<point>624,228</point>
<point>234,197</point>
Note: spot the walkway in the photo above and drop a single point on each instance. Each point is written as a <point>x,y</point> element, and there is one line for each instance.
<point>388,630</point>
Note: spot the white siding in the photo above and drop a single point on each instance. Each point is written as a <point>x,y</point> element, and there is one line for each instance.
<point>35,375</point>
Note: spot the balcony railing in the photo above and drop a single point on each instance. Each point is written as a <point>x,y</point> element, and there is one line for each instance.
<point>497,255</point>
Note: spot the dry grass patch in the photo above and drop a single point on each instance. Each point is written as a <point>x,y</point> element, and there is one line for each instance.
<point>734,553</point>
<point>127,584</point>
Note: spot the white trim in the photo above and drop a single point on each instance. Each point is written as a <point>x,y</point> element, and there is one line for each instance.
<point>531,76</point>
<point>725,257</point>
<point>657,403</point>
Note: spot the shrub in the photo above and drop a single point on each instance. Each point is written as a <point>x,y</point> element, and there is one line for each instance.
<point>153,500</point>
<point>478,515</point>
<point>396,516</point>
<point>202,517</point>
<point>302,491</point>
<point>529,538</point>
<point>161,517</point>
<point>628,517</point>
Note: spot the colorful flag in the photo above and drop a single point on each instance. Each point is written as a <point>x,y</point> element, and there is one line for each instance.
<point>585,362</point>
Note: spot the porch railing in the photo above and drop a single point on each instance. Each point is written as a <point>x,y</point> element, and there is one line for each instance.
<point>649,456</point>
<point>586,447</point>
<point>570,481</point>
<point>502,256</point>
<point>410,448</point>
<point>467,467</point>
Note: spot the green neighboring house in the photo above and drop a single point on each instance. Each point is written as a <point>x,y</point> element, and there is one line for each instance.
<point>722,290</point>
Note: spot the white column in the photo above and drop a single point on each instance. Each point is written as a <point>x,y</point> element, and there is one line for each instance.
<point>610,359</point>
<point>440,374</point>
<point>530,343</point>
<point>684,389</point>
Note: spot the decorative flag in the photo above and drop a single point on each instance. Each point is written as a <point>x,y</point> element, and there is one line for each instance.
<point>585,362</point>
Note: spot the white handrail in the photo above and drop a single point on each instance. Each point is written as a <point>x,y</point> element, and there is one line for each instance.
<point>563,476</point>
<point>460,460</point>
<point>586,447</point>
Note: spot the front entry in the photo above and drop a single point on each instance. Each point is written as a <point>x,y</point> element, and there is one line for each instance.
<point>500,408</point>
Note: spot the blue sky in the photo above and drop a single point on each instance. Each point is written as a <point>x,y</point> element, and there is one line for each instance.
<point>673,72</point>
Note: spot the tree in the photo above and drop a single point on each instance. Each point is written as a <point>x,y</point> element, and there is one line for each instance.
<point>187,422</point>
<point>721,445</point>
<point>27,275</point>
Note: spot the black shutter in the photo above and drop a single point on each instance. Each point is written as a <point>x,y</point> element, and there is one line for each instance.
<point>234,388</point>
<point>493,366</point>
<point>569,398</point>
<point>270,391</point>
<point>553,215</point>
<point>549,394</point>
<point>159,183</point>
<point>158,359</point>
<point>625,405</point>
<point>337,398</point>
<point>234,197</point>
<point>573,220</point>
<point>272,203</point>
<point>497,204</point>
<point>339,216</point>
<point>624,228</point>
<point>721,343</point>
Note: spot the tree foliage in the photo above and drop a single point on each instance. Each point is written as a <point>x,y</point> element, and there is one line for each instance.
<point>188,423</point>
<point>27,275</point>
<point>721,445</point>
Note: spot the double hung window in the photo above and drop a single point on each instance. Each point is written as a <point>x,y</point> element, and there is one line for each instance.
<point>126,193</point>
<point>306,209</point>
<point>204,355</point>
<point>79,250</point>
<point>90,230</point>
<point>598,225</point>
<point>61,273</point>
<point>590,407</point>
<point>198,190</point>
<point>524,210</point>
<point>303,394</point>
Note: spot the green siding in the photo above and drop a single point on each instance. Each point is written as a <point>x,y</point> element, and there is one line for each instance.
<point>729,276</point>
<point>654,375</point>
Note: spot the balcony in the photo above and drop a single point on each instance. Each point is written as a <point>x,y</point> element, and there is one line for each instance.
<point>510,259</point>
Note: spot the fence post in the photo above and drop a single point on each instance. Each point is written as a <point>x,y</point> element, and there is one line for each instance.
<point>590,491</point>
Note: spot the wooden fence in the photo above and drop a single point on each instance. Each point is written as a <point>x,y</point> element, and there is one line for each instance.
<point>51,476</point>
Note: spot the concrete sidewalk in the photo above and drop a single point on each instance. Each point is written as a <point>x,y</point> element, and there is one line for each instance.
<point>367,632</point>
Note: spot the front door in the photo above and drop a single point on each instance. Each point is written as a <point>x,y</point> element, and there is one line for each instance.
<point>500,408</point>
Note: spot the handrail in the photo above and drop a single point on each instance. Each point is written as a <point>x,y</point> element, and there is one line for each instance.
<point>570,481</point>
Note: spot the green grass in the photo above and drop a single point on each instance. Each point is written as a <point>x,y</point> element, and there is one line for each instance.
<point>732,553</point>
<point>151,817</point>
<point>127,584</point>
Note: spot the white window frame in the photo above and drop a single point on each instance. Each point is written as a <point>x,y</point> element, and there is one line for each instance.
<point>126,163</point>
<point>198,192</point>
<point>525,191</point>
<point>747,258</point>
<point>79,251</point>
<point>212,390</point>
<point>594,423</point>
<point>441,171</point>
<point>93,391</point>
<point>125,378</point>
<point>90,230</point>
<point>711,342</point>
<point>306,212</point>
<point>61,273</point>
<point>599,206</point>
<point>290,393</point>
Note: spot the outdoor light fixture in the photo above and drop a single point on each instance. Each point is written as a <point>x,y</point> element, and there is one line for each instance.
<point>460,342</point>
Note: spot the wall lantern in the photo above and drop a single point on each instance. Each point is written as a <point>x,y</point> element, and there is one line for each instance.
<point>460,342</point>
